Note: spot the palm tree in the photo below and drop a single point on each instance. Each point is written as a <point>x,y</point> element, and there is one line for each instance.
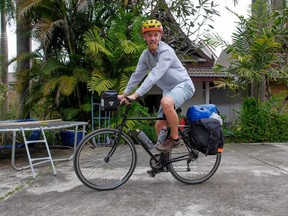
<point>253,52</point>
<point>6,7</point>
<point>4,65</point>
<point>57,27</point>
<point>23,40</point>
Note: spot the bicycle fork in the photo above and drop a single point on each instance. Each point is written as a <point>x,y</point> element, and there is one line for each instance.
<point>114,144</point>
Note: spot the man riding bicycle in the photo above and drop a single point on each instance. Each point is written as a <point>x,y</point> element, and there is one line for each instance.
<point>167,72</point>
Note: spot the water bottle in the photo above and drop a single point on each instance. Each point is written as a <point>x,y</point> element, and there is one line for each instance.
<point>145,139</point>
<point>162,136</point>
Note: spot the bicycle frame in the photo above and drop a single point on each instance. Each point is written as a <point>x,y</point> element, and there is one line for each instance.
<point>123,125</point>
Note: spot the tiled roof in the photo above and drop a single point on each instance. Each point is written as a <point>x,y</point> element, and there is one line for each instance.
<point>224,59</point>
<point>205,72</point>
<point>195,60</point>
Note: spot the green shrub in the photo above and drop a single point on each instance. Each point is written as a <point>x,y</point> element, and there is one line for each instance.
<point>278,128</point>
<point>259,122</point>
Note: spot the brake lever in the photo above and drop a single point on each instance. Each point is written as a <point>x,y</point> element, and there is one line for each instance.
<point>122,102</point>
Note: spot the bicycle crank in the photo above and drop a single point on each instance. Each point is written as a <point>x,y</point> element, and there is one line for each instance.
<point>158,165</point>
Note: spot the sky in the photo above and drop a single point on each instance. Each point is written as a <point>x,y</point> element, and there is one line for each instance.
<point>223,25</point>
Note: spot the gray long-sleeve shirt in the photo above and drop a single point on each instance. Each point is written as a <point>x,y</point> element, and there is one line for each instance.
<point>166,71</point>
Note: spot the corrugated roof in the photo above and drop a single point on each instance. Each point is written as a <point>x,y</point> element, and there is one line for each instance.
<point>205,72</point>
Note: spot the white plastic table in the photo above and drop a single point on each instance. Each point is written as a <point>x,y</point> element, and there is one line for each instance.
<point>56,124</point>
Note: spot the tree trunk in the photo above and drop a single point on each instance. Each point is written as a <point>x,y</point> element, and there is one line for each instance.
<point>4,65</point>
<point>253,90</point>
<point>258,89</point>
<point>23,66</point>
<point>262,88</point>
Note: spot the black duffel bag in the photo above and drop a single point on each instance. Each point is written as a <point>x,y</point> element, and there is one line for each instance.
<point>207,135</point>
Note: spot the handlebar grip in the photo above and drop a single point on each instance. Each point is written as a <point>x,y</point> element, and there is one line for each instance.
<point>129,99</point>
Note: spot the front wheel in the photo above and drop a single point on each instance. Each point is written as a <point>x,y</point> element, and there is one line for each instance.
<point>191,166</point>
<point>104,160</point>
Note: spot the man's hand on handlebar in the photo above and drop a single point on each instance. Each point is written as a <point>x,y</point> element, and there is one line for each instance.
<point>127,99</point>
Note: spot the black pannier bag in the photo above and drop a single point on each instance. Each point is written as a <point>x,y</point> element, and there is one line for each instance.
<point>109,100</point>
<point>207,135</point>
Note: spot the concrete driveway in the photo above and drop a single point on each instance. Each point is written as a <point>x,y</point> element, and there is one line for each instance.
<point>251,180</point>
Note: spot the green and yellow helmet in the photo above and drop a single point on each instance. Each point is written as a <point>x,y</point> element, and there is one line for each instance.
<point>152,25</point>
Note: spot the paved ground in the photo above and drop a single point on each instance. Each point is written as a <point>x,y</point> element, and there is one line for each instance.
<point>252,180</point>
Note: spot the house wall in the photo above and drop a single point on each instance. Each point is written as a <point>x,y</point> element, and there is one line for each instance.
<point>227,102</point>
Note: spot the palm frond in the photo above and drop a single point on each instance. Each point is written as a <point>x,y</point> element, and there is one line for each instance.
<point>130,69</point>
<point>226,84</point>
<point>53,65</point>
<point>44,29</point>
<point>112,40</point>
<point>214,40</point>
<point>123,82</point>
<point>81,74</point>
<point>94,42</point>
<point>67,84</point>
<point>50,86</point>
<point>99,85</point>
<point>136,29</point>
<point>27,6</point>
<point>71,113</point>
<point>100,82</point>
<point>8,7</point>
<point>129,47</point>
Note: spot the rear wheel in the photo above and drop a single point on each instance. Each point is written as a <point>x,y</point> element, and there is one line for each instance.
<point>104,162</point>
<point>191,166</point>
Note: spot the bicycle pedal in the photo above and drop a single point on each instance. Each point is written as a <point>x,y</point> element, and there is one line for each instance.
<point>152,173</point>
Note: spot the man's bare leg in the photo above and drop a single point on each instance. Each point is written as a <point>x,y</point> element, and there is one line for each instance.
<point>167,104</point>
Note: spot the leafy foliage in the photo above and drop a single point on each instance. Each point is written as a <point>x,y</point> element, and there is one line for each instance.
<point>61,67</point>
<point>3,90</point>
<point>89,42</point>
<point>253,52</point>
<point>260,122</point>
<point>114,51</point>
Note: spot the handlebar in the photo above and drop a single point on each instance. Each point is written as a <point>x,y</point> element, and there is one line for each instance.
<point>130,100</point>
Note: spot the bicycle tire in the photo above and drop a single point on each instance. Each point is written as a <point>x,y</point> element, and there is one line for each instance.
<point>99,172</point>
<point>191,169</point>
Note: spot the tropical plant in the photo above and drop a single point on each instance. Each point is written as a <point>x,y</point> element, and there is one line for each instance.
<point>62,66</point>
<point>253,53</point>
<point>60,69</point>
<point>115,53</point>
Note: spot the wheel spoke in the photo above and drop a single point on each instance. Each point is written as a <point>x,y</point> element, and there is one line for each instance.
<point>201,167</point>
<point>91,164</point>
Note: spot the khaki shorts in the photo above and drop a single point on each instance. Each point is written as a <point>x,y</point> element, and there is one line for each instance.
<point>180,93</point>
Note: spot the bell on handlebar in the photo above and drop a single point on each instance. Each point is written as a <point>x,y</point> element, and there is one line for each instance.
<point>109,100</point>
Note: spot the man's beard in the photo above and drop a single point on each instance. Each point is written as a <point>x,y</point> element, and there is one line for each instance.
<point>153,47</point>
